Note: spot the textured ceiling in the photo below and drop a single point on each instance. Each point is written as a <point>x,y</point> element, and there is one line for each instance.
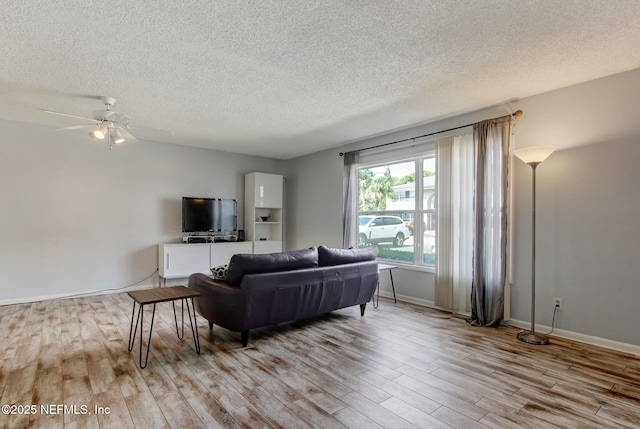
<point>287,78</point>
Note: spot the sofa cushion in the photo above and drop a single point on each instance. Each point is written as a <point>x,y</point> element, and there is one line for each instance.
<point>242,264</point>
<point>328,256</point>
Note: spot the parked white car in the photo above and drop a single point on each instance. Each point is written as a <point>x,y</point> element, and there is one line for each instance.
<point>374,229</point>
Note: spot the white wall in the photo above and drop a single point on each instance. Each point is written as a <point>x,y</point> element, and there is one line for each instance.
<point>587,204</point>
<point>78,217</point>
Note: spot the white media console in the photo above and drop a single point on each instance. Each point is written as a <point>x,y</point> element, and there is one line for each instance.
<point>181,260</point>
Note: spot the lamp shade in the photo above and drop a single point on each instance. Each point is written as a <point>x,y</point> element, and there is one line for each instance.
<point>534,155</point>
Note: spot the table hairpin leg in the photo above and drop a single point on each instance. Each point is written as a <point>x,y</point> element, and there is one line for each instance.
<point>196,339</point>
<point>392,286</point>
<point>376,302</point>
<point>180,333</point>
<point>132,332</point>
<point>192,322</point>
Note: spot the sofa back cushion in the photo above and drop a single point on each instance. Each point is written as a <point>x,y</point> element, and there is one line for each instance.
<point>242,264</point>
<point>328,256</point>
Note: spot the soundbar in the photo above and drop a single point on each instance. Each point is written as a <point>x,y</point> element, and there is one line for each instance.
<point>196,239</point>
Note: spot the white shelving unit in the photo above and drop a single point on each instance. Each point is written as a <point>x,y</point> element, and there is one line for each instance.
<point>263,211</point>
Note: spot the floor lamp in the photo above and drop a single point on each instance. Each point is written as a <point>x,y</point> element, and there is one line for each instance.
<point>533,157</point>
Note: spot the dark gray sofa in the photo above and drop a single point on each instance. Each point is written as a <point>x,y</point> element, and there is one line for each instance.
<point>267,289</point>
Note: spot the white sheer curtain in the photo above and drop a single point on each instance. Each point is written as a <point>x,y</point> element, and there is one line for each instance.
<point>491,141</point>
<point>472,209</point>
<point>454,246</point>
<point>350,202</point>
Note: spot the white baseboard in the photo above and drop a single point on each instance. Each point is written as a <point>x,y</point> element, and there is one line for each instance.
<point>409,299</point>
<point>74,294</point>
<point>412,300</point>
<point>576,336</point>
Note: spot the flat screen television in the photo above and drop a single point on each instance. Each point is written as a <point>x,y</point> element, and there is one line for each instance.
<point>209,214</point>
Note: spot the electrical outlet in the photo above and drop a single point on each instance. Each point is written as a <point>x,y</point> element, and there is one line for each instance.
<point>557,303</point>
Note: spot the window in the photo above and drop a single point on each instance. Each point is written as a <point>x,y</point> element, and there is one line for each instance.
<point>388,209</point>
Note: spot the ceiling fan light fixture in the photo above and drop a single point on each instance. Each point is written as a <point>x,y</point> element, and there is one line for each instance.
<point>106,125</point>
<point>98,133</point>
<point>117,136</point>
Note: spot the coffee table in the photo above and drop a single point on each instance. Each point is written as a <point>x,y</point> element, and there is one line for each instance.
<point>154,296</point>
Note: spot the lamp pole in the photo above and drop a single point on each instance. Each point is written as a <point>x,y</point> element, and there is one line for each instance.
<point>533,157</point>
<point>533,250</point>
<point>531,337</point>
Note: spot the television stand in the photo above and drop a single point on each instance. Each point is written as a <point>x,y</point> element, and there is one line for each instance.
<point>180,260</point>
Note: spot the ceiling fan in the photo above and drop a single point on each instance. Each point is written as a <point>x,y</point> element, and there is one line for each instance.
<point>106,124</point>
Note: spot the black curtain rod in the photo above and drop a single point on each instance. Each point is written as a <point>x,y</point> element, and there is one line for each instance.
<point>516,114</point>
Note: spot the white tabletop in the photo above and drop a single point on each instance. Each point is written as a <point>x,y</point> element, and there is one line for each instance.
<point>386,266</point>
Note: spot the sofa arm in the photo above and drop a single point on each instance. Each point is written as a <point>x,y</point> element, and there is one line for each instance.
<point>219,302</point>
<point>204,284</point>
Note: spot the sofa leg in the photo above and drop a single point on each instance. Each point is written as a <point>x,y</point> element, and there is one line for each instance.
<point>210,325</point>
<point>362,308</point>
<point>245,338</point>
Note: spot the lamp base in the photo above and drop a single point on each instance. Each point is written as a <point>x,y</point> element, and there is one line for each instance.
<point>536,339</point>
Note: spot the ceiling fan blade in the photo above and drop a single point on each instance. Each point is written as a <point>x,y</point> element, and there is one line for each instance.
<point>66,114</point>
<point>75,127</point>
<point>109,115</point>
<point>118,117</point>
<point>127,135</point>
<point>151,131</point>
<point>121,132</point>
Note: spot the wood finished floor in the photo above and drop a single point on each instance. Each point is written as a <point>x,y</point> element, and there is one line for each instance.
<point>400,366</point>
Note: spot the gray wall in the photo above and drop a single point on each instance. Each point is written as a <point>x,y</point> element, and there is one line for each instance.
<point>78,217</point>
<point>314,201</point>
<point>587,205</point>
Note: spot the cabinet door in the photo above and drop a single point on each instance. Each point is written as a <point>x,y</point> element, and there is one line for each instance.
<point>267,246</point>
<point>221,253</point>
<point>182,260</point>
<point>268,190</point>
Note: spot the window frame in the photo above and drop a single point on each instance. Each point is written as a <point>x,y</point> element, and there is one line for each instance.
<point>418,211</point>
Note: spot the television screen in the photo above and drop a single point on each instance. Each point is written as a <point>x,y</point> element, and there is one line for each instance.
<point>197,214</point>
<point>228,215</point>
<point>209,215</point>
